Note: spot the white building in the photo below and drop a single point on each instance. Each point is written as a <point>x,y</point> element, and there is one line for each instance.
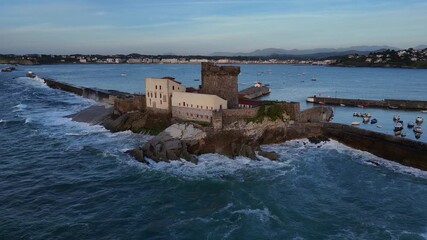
<point>196,106</point>
<point>158,92</point>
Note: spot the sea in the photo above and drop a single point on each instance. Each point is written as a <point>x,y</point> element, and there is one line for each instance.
<point>61,179</point>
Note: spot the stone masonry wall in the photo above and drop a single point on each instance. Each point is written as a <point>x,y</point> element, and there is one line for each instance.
<point>192,114</point>
<point>129,104</point>
<point>221,81</point>
<point>316,114</point>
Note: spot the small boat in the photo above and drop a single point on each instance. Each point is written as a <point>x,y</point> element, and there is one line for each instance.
<point>419,120</point>
<point>355,123</point>
<point>30,74</point>
<point>342,105</point>
<point>398,127</point>
<point>424,111</point>
<point>374,120</point>
<point>393,107</point>
<point>379,126</point>
<point>396,118</point>
<point>365,119</point>
<point>418,129</point>
<point>8,69</point>
<point>411,124</point>
<point>402,134</point>
<point>314,79</point>
<point>396,133</point>
<point>360,106</point>
<point>321,103</point>
<point>123,74</point>
<point>196,80</point>
<point>417,135</point>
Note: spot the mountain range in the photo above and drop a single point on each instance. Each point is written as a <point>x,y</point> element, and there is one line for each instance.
<point>316,52</point>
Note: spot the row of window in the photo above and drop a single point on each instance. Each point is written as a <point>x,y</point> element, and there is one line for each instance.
<point>160,87</point>
<point>197,106</point>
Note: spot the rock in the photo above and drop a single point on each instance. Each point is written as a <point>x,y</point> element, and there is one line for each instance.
<point>270,155</point>
<point>247,151</point>
<point>138,154</point>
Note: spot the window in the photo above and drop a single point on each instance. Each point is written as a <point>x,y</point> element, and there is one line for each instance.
<point>161,102</point>
<point>160,87</point>
<point>183,104</point>
<point>179,104</point>
<point>211,108</point>
<point>197,106</point>
<point>156,87</point>
<point>173,87</point>
<point>191,105</point>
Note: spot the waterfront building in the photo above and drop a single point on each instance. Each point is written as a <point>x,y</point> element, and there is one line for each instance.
<point>158,92</point>
<point>196,106</point>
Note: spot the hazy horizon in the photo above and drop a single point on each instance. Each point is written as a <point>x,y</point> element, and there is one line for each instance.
<point>202,27</point>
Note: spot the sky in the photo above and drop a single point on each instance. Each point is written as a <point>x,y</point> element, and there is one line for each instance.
<point>202,27</point>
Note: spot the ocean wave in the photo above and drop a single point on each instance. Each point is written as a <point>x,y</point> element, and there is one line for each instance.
<point>263,215</point>
<point>19,107</point>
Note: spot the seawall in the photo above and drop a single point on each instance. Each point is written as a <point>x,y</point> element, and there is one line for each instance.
<point>404,151</point>
<point>385,103</point>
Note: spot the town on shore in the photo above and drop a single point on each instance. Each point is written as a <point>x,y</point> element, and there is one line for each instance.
<point>409,58</point>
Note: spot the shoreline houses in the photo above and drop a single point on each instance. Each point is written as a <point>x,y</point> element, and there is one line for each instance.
<point>218,90</point>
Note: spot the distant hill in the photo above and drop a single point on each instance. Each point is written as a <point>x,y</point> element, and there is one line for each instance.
<point>320,52</point>
<point>421,47</point>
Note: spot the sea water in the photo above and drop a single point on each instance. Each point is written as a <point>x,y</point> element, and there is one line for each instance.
<point>65,180</point>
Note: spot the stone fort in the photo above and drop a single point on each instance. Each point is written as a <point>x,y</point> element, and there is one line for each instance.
<point>221,81</point>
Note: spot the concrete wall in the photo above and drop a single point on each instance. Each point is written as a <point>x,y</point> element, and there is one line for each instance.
<point>386,103</point>
<point>221,81</point>
<point>292,109</point>
<point>192,114</point>
<point>63,86</point>
<point>405,151</point>
<point>129,104</point>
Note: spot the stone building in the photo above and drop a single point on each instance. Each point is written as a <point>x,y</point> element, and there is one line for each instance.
<point>196,106</point>
<point>221,81</point>
<point>158,92</point>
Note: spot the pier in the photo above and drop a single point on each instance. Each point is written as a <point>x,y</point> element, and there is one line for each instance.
<point>385,103</point>
<point>254,92</point>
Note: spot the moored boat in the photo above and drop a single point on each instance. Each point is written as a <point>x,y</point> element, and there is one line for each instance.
<point>398,127</point>
<point>396,118</point>
<point>374,120</point>
<point>419,120</point>
<point>418,129</point>
<point>355,123</point>
<point>411,124</point>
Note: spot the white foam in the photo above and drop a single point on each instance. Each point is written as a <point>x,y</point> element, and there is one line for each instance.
<point>262,214</point>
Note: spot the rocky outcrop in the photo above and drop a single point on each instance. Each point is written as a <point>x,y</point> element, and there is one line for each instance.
<point>137,122</point>
<point>174,143</point>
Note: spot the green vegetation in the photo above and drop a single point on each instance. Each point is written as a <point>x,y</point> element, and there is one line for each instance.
<point>273,111</point>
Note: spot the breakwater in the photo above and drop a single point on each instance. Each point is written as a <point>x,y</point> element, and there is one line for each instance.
<point>385,103</point>
<point>404,151</point>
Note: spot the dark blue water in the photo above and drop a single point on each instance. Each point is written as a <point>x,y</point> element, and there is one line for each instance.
<point>65,180</point>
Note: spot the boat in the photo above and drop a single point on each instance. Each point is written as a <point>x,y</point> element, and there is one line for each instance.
<point>123,74</point>
<point>403,134</point>
<point>374,120</point>
<point>196,80</point>
<point>396,133</point>
<point>393,107</point>
<point>396,118</point>
<point>342,105</point>
<point>321,103</point>
<point>355,123</point>
<point>418,129</point>
<point>398,127</point>
<point>424,111</point>
<point>379,126</point>
<point>30,74</point>
<point>411,124</point>
<point>417,135</point>
<point>257,84</point>
<point>419,120</point>
<point>365,119</point>
<point>314,79</point>
<point>360,106</point>
<point>8,69</point>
